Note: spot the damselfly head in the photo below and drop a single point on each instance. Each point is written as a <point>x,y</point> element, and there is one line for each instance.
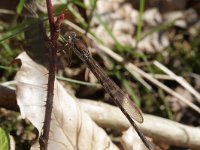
<point>69,36</point>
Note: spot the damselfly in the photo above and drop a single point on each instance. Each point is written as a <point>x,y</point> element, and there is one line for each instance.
<point>121,99</point>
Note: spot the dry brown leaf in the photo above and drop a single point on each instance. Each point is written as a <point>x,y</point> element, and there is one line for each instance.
<point>71,128</point>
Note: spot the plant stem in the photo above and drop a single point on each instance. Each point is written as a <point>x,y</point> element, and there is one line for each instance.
<point>54,33</point>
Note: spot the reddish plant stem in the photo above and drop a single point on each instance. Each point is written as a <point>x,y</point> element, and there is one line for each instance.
<point>51,18</point>
<point>54,33</point>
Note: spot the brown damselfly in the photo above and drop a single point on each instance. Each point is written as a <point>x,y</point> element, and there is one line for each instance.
<point>120,98</point>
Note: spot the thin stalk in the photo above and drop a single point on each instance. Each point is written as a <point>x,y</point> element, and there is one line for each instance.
<point>54,33</point>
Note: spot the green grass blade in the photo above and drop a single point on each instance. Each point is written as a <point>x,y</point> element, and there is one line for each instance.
<point>11,32</point>
<point>77,81</point>
<point>20,6</point>
<point>8,68</point>
<point>166,104</point>
<point>131,92</point>
<point>7,48</point>
<point>140,21</point>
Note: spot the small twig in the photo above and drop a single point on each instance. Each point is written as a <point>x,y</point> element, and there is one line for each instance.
<point>178,79</point>
<point>161,76</point>
<point>54,33</point>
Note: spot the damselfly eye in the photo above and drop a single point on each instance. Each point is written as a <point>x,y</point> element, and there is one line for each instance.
<point>70,35</point>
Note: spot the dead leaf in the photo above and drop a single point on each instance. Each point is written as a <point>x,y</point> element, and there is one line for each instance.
<point>71,128</point>
<point>131,141</point>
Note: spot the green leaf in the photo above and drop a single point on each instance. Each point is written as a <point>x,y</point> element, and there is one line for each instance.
<point>4,140</point>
